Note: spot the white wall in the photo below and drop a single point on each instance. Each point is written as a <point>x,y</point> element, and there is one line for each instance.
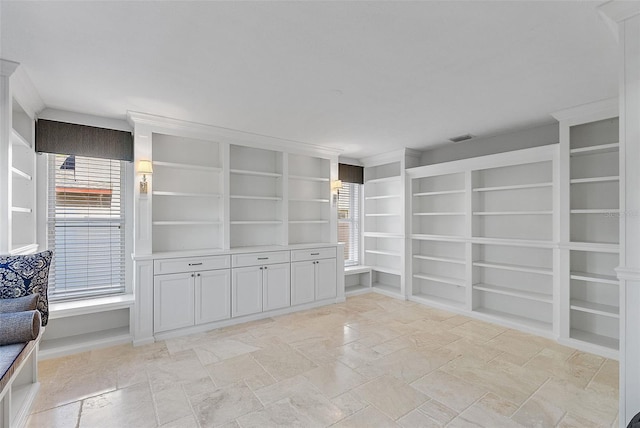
<point>523,139</point>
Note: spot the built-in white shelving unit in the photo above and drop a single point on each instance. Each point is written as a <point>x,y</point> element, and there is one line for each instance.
<point>591,210</point>
<point>18,190</point>
<point>256,197</point>
<point>384,220</point>
<point>309,192</point>
<point>484,236</point>
<point>187,187</point>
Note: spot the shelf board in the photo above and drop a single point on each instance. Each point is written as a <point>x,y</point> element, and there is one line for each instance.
<point>437,300</point>
<point>307,178</point>
<point>513,242</point>
<point>387,289</point>
<point>187,166</point>
<point>445,238</point>
<point>528,295</point>
<point>241,222</point>
<point>256,198</point>
<point>256,173</point>
<point>595,339</point>
<point>593,246</point>
<point>438,278</point>
<point>592,150</point>
<point>19,173</point>
<point>596,211</point>
<point>22,248</point>
<point>18,139</point>
<point>382,215</point>
<point>595,308</point>
<point>188,194</point>
<point>308,221</point>
<point>527,322</point>
<point>440,213</point>
<point>185,223</point>
<point>513,187</point>
<point>595,179</point>
<point>371,198</point>
<point>65,345</point>
<point>382,235</point>
<point>480,213</point>
<point>440,259</point>
<point>383,180</point>
<point>21,210</point>
<point>440,192</point>
<point>386,270</point>
<point>515,268</point>
<point>592,277</point>
<point>308,200</point>
<point>384,253</point>
<point>90,306</point>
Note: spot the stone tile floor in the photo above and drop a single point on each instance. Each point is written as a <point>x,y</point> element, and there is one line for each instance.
<point>370,362</point>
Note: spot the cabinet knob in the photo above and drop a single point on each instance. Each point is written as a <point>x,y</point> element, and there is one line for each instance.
<point>261,268</point>
<point>192,275</point>
<point>198,274</point>
<point>265,268</point>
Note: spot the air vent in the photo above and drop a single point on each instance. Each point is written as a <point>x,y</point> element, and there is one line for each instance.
<point>461,138</point>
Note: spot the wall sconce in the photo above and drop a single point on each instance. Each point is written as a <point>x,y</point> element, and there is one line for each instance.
<point>144,167</point>
<point>335,190</point>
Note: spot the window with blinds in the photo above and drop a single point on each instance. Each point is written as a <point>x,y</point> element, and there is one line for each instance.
<point>349,222</point>
<point>85,222</point>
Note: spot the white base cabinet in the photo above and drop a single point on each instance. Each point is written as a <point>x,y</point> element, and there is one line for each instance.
<point>313,275</point>
<point>198,293</point>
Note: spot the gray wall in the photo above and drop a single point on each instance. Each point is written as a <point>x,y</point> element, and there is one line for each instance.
<point>523,139</point>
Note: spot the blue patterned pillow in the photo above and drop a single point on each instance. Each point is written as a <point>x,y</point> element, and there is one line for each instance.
<point>24,275</point>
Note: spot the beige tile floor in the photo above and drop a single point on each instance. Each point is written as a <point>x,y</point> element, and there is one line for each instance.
<point>370,362</point>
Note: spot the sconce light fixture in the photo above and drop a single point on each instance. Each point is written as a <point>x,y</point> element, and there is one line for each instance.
<point>144,167</point>
<point>335,190</point>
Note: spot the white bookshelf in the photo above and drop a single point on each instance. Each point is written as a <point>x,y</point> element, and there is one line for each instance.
<point>188,208</point>
<point>591,215</point>
<point>484,232</point>
<point>256,193</point>
<point>22,182</point>
<point>309,194</point>
<point>384,220</point>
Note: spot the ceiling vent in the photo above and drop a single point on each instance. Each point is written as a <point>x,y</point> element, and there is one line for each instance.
<point>461,138</point>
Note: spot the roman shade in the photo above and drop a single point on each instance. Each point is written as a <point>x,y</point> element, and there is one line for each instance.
<point>350,173</point>
<point>83,140</point>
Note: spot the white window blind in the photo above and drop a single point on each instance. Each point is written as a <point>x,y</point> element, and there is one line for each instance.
<point>86,226</point>
<point>349,222</point>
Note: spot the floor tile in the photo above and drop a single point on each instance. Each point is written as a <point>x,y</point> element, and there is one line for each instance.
<point>391,396</point>
<point>224,405</point>
<point>59,417</point>
<point>369,417</point>
<point>132,406</point>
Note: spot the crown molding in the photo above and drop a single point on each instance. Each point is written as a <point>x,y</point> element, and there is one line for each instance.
<point>25,93</point>
<point>606,107</point>
<point>232,136</point>
<point>616,11</point>
<point>7,67</point>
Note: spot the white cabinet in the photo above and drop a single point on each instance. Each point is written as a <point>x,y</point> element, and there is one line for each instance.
<point>185,296</point>
<point>314,275</point>
<point>260,282</point>
<point>173,299</point>
<point>213,295</point>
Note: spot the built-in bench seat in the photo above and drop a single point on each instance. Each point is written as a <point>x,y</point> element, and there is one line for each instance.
<point>357,280</point>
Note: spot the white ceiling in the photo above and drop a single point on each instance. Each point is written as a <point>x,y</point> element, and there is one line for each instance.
<point>366,77</point>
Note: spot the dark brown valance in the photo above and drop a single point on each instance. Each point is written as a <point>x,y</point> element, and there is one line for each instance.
<point>350,173</point>
<point>71,139</point>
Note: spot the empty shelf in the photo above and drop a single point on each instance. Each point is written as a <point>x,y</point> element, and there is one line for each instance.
<point>529,295</point>
<point>187,166</point>
<point>256,173</point>
<point>595,179</point>
<point>592,150</point>
<point>595,308</point>
<point>595,339</point>
<point>515,268</point>
<point>513,187</point>
<point>308,178</point>
<point>440,259</point>
<point>440,192</point>
<point>593,277</point>
<point>438,278</point>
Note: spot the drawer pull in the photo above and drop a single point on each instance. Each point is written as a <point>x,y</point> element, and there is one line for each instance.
<point>195,264</point>
<point>263,258</point>
<point>315,254</point>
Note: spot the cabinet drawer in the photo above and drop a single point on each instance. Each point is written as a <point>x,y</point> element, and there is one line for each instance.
<point>254,259</point>
<point>313,254</point>
<point>190,264</point>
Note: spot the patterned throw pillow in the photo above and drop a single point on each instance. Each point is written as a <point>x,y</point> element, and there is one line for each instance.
<point>24,275</point>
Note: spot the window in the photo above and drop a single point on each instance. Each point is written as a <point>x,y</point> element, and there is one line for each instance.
<point>86,226</point>
<point>349,222</point>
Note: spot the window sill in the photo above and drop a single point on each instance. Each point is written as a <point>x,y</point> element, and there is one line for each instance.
<point>90,306</point>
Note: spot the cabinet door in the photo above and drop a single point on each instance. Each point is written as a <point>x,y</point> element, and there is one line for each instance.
<point>213,295</point>
<point>302,282</point>
<point>246,291</point>
<point>276,286</point>
<point>173,296</point>
<point>326,283</point>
